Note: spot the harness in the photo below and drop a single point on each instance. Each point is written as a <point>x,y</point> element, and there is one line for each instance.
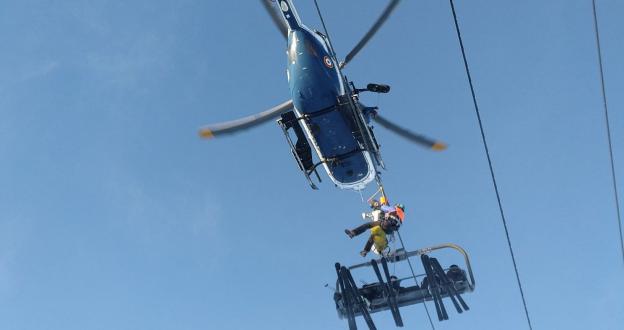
<point>391,223</point>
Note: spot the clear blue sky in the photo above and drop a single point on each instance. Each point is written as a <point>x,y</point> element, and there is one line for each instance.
<point>115,215</point>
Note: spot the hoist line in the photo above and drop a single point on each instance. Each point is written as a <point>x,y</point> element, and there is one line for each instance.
<point>606,113</point>
<point>487,152</point>
<point>383,193</point>
<point>415,280</point>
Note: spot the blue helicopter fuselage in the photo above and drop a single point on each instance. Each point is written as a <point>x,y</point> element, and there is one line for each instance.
<point>315,84</point>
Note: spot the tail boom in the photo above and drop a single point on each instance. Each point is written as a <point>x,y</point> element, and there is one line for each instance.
<point>290,14</point>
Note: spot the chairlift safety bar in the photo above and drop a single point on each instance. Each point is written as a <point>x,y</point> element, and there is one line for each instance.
<point>401,255</point>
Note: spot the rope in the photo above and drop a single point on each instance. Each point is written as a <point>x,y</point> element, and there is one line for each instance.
<point>606,112</point>
<point>415,280</point>
<point>487,152</point>
<point>383,193</point>
<point>331,46</point>
<point>375,194</point>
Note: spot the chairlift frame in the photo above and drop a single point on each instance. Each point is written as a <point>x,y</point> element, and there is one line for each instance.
<point>352,301</point>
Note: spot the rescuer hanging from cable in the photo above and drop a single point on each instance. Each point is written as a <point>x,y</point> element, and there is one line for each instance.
<point>385,220</point>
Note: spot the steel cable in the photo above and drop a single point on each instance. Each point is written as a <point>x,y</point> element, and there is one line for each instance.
<point>606,112</point>
<point>415,280</point>
<point>487,152</point>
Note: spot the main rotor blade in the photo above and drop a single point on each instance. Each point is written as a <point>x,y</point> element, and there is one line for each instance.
<point>371,32</point>
<point>277,19</point>
<point>413,137</point>
<point>237,125</point>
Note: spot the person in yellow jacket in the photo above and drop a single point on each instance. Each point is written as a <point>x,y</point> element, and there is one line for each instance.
<point>386,219</point>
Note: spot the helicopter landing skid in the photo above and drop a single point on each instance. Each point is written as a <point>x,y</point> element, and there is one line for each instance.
<point>364,133</point>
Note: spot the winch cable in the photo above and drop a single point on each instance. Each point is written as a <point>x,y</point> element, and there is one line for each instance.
<point>383,193</point>
<point>487,152</point>
<point>606,114</point>
<point>415,280</point>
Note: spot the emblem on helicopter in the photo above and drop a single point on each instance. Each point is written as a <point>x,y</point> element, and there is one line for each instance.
<point>327,61</point>
<point>284,6</point>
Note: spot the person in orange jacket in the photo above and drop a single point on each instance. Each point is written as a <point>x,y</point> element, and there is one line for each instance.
<point>388,218</point>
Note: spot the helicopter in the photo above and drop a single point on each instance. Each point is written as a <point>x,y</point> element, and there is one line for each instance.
<point>324,111</point>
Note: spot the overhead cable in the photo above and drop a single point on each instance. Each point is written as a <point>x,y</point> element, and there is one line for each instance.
<point>487,152</point>
<point>606,112</point>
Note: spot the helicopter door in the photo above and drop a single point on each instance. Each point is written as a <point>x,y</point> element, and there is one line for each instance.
<point>301,149</point>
